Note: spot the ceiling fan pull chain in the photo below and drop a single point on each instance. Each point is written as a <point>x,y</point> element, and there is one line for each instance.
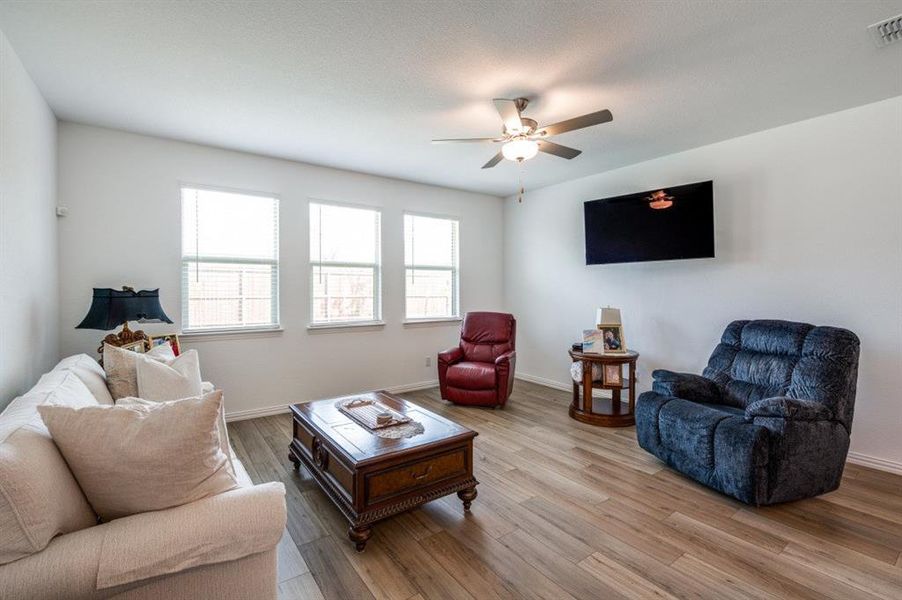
<point>520,178</point>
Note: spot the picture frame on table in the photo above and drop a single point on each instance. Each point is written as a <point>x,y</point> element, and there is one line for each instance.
<point>613,340</point>
<point>170,338</point>
<point>139,346</point>
<point>613,375</point>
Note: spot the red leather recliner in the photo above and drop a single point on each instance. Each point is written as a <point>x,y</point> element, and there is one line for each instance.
<point>480,371</point>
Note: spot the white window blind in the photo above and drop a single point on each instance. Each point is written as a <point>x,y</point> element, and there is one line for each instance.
<point>230,260</point>
<point>346,264</point>
<point>430,260</point>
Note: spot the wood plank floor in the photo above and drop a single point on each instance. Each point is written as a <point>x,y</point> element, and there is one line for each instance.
<point>567,510</point>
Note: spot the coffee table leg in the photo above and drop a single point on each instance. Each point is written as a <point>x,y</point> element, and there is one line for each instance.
<point>467,495</point>
<point>294,459</point>
<point>359,535</point>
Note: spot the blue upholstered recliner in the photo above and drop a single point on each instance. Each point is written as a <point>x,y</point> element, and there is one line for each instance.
<point>769,419</point>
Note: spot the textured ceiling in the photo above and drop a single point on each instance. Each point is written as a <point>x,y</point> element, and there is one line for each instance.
<point>364,86</point>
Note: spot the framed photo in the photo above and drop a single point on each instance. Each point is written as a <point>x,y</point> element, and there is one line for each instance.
<point>171,339</point>
<point>592,340</point>
<point>613,375</point>
<point>140,346</point>
<point>612,339</point>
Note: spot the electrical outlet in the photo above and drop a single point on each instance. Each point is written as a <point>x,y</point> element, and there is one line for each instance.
<point>428,361</point>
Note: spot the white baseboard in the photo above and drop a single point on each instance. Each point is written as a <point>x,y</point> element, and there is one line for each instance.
<point>253,413</point>
<point>557,385</point>
<point>413,387</point>
<point>881,464</point>
<point>267,411</point>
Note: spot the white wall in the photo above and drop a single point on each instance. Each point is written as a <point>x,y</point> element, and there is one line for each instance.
<point>122,191</point>
<point>808,227</point>
<point>29,291</point>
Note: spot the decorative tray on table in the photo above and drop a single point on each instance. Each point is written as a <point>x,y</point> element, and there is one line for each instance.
<point>370,413</point>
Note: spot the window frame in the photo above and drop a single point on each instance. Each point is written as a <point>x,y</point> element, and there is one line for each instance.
<point>455,269</point>
<point>377,319</point>
<point>184,260</point>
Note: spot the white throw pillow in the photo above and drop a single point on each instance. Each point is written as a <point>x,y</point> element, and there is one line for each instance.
<point>173,380</point>
<point>121,367</point>
<point>221,427</point>
<point>134,459</point>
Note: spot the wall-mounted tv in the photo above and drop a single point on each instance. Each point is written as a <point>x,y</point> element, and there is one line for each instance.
<point>662,224</point>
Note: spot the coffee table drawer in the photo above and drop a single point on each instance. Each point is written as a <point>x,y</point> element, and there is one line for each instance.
<point>384,484</point>
<point>304,436</point>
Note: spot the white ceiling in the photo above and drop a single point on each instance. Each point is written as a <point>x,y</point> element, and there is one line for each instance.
<point>365,86</point>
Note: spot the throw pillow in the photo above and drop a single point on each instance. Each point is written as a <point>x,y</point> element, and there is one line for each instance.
<point>221,428</point>
<point>173,380</point>
<point>134,459</point>
<point>121,367</point>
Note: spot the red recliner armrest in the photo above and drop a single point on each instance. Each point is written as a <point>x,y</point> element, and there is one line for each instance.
<point>445,360</point>
<point>450,356</point>
<point>504,368</point>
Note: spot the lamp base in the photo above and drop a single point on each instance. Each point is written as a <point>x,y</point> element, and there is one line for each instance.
<point>124,337</point>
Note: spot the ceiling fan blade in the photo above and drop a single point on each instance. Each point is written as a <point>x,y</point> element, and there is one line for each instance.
<point>510,114</point>
<point>596,118</point>
<point>465,140</point>
<point>558,150</point>
<point>494,161</point>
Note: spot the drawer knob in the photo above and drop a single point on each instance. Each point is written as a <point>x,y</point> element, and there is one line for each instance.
<point>320,456</point>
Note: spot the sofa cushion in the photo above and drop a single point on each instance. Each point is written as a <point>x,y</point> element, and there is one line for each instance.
<point>472,375</point>
<point>81,564</point>
<point>172,380</point>
<point>222,429</point>
<point>220,528</point>
<point>756,359</point>
<point>471,397</point>
<point>91,374</point>
<point>687,429</point>
<point>132,459</point>
<point>121,367</point>
<point>711,443</point>
<point>39,497</point>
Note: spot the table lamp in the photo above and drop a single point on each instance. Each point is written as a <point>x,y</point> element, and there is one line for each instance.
<point>607,316</point>
<point>111,308</point>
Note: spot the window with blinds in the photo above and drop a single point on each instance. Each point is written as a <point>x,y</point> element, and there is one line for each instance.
<point>345,264</point>
<point>430,260</point>
<point>230,260</point>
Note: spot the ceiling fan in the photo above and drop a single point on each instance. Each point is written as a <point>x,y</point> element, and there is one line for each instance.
<point>522,137</point>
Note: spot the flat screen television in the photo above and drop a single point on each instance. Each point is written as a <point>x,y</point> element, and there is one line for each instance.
<point>629,228</point>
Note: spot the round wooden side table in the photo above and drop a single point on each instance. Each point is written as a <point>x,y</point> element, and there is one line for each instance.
<point>605,412</point>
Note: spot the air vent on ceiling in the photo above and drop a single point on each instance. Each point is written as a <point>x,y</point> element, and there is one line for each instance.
<point>887,31</point>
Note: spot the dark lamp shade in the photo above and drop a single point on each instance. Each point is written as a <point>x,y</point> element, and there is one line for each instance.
<point>111,308</point>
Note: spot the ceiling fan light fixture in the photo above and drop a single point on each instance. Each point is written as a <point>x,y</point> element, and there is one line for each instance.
<point>520,149</point>
<point>659,200</point>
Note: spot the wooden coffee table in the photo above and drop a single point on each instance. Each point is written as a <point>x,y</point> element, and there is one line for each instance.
<point>371,478</point>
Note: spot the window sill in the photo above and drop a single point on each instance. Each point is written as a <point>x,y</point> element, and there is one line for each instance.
<point>433,321</point>
<point>201,335</point>
<point>315,327</point>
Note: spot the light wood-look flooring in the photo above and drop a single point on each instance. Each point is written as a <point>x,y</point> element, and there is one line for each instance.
<point>567,510</point>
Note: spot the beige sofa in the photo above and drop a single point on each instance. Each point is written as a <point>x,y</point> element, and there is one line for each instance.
<point>51,546</point>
